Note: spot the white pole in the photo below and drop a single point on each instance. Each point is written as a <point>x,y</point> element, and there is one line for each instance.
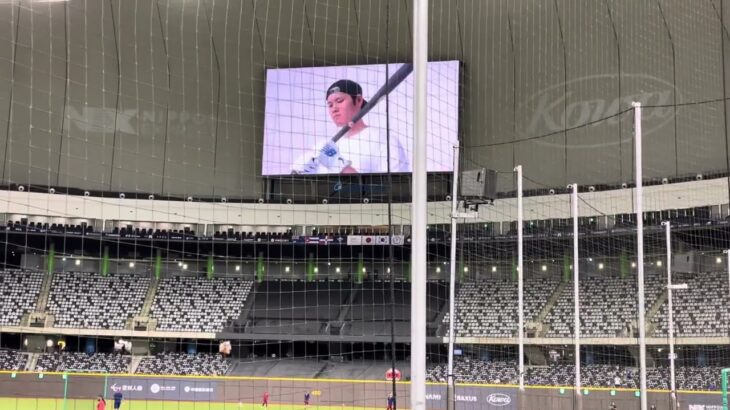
<point>727,251</point>
<point>520,284</point>
<point>452,281</point>
<point>418,243</point>
<point>640,252</point>
<point>670,319</point>
<point>576,293</point>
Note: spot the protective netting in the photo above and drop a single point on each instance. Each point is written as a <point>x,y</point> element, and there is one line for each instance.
<point>222,189</point>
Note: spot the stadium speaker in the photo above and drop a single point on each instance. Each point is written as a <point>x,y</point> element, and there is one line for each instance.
<point>699,177</point>
<point>87,193</point>
<point>551,191</point>
<point>448,198</point>
<point>624,185</point>
<point>365,201</point>
<point>224,200</point>
<point>21,188</point>
<point>288,201</point>
<point>325,201</point>
<point>479,183</point>
<point>150,197</point>
<point>261,200</point>
<point>189,199</point>
<point>591,189</point>
<point>665,181</point>
<point>52,191</point>
<point>122,196</point>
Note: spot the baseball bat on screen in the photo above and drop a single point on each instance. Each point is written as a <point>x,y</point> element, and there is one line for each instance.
<point>390,85</point>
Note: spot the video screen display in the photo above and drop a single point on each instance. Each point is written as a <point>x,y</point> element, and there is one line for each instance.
<point>332,120</point>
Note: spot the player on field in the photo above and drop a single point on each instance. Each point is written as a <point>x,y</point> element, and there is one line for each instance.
<point>307,396</point>
<point>100,403</point>
<point>391,402</point>
<point>118,398</point>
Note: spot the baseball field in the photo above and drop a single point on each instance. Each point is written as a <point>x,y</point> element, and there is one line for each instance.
<point>86,404</point>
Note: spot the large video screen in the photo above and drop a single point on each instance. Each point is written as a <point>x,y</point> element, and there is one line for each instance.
<point>328,120</point>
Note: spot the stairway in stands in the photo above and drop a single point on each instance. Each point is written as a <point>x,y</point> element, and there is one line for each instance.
<point>540,319</point>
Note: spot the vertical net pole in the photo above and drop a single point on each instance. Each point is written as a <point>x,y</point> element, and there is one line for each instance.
<point>576,295</point>
<point>451,404</point>
<point>724,379</point>
<point>418,244</point>
<point>520,280</point>
<point>640,252</point>
<point>670,319</point>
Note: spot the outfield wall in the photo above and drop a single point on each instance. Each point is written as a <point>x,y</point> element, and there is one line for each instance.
<point>326,392</point>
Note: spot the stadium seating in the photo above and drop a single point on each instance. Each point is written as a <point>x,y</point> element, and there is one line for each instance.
<point>700,310</point>
<point>299,300</point>
<point>191,304</point>
<point>91,301</point>
<point>473,370</point>
<point>12,360</point>
<point>82,362</point>
<point>200,364</point>
<point>608,306</point>
<point>489,308</point>
<point>19,292</point>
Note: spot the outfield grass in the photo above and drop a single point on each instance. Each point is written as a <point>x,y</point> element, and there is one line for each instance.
<point>79,404</point>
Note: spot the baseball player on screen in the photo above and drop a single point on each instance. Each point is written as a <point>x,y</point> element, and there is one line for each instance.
<point>361,149</point>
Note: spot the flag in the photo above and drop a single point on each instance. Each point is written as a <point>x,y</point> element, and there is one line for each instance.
<point>397,239</point>
<point>354,240</point>
<point>382,240</point>
<point>368,240</point>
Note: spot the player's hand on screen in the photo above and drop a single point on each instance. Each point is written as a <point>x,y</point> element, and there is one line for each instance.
<point>348,170</point>
<point>329,155</point>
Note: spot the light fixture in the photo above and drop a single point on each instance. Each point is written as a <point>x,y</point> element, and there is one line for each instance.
<point>286,269</point>
<point>544,268</point>
<point>633,264</point>
<point>438,269</point>
<point>316,269</point>
<point>179,264</point>
<point>337,269</point>
<point>364,269</point>
<point>658,263</point>
<point>131,264</point>
<point>77,262</point>
<point>238,268</point>
<point>185,266</point>
<point>466,269</point>
<point>718,260</point>
<point>600,266</point>
<point>388,270</point>
<point>494,268</point>
<point>63,259</point>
